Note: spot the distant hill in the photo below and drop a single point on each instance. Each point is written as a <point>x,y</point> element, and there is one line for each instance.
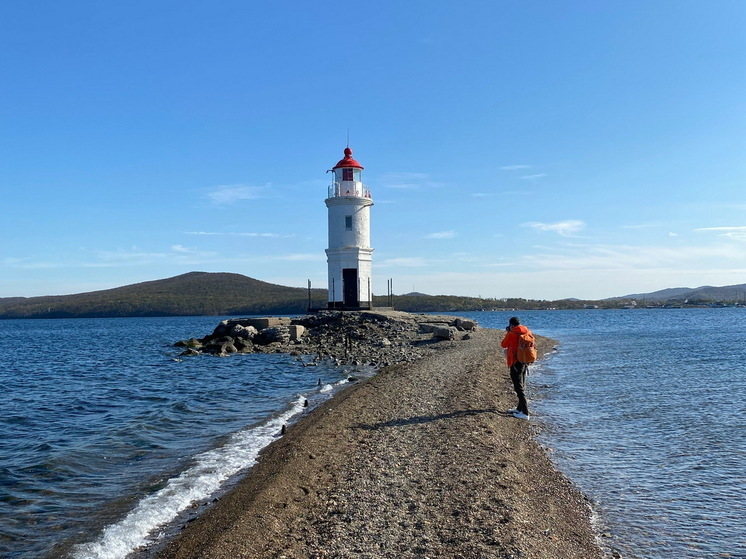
<point>226,294</point>
<point>704,294</point>
<point>192,294</point>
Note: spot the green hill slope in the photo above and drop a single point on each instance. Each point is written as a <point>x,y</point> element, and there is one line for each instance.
<point>226,294</point>
<point>192,294</point>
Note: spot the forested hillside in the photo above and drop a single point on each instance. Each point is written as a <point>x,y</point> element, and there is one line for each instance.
<point>226,294</point>
<point>195,294</point>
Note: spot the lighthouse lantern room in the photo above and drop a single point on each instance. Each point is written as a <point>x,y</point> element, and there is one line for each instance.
<point>349,255</point>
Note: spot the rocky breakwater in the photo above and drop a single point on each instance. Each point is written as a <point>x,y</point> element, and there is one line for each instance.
<point>375,338</point>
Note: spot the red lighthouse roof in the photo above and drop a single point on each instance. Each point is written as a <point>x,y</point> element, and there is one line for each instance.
<point>348,161</point>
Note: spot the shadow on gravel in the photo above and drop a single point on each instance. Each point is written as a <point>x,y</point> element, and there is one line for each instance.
<point>423,419</point>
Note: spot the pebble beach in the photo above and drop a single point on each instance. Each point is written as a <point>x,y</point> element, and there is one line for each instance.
<point>420,461</point>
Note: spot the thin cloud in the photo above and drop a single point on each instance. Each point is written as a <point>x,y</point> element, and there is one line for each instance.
<point>567,228</point>
<point>29,264</point>
<point>737,228</point>
<point>629,257</point>
<point>514,193</point>
<point>408,181</point>
<point>300,257</point>
<point>413,262</point>
<point>737,233</point>
<point>236,234</point>
<point>127,256</point>
<point>537,176</point>
<point>514,167</point>
<point>230,194</point>
<point>640,226</point>
<point>441,235</point>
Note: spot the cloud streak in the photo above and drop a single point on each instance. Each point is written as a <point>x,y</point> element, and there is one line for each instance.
<point>737,233</point>
<point>441,235</point>
<point>408,262</point>
<point>567,228</point>
<point>537,176</point>
<point>236,234</point>
<point>407,181</point>
<point>232,193</point>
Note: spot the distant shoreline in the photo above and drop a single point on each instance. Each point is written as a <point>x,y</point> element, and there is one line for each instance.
<point>228,294</point>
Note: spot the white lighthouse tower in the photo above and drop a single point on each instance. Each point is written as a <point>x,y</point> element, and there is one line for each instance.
<point>349,255</point>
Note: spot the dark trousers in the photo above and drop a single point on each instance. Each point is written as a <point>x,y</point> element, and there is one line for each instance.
<point>518,376</point>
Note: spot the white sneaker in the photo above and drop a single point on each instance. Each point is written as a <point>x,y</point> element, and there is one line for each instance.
<point>520,415</point>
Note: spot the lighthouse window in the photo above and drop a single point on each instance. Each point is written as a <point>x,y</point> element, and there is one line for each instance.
<point>348,222</point>
<point>347,175</point>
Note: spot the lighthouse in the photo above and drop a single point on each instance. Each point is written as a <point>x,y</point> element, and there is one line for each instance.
<point>349,256</point>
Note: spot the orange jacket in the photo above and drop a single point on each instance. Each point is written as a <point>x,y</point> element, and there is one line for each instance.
<point>510,343</point>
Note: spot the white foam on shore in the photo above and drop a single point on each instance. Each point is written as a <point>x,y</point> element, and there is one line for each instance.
<point>198,483</point>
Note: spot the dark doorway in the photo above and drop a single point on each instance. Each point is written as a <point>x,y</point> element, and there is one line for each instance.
<point>349,290</point>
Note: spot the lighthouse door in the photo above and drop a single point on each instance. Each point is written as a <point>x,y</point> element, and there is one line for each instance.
<point>349,281</point>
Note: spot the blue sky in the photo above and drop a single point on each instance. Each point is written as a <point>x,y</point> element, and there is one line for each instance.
<point>535,149</point>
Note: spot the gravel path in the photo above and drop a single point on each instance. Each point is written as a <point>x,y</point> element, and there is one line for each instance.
<point>420,461</point>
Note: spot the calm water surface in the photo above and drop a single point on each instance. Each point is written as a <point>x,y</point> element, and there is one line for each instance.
<point>106,435</point>
<point>646,412</point>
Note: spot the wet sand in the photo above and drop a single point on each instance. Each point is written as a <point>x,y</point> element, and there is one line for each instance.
<point>419,461</point>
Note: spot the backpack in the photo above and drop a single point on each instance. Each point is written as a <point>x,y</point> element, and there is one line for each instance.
<point>526,348</point>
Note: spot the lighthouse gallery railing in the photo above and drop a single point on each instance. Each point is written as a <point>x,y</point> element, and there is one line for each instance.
<point>348,189</point>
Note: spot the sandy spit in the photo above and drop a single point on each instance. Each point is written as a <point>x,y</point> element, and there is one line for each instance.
<point>419,461</point>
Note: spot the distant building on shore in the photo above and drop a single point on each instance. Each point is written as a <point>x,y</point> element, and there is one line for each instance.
<point>349,256</point>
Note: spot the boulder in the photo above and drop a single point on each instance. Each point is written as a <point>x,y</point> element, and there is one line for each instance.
<point>444,333</point>
<point>243,345</point>
<point>260,323</point>
<point>466,324</point>
<point>275,334</point>
<point>221,346</point>
<point>221,329</point>
<point>192,343</point>
<point>244,332</point>
<point>296,331</point>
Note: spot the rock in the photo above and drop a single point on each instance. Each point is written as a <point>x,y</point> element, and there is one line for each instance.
<point>221,329</point>
<point>228,347</point>
<point>191,343</point>
<point>431,327</point>
<point>444,333</point>
<point>243,345</point>
<point>244,332</point>
<point>465,324</point>
<point>260,323</point>
<point>296,331</point>
<point>220,346</point>
<point>275,334</point>
<point>378,339</point>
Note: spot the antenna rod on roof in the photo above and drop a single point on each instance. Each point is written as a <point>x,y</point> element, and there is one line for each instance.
<point>348,137</point>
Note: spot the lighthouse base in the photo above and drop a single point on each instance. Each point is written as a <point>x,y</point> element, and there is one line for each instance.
<point>340,306</point>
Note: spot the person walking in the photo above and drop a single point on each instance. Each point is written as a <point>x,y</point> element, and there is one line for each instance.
<point>518,370</point>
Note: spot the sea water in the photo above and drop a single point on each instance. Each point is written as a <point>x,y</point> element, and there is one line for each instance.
<point>645,410</point>
<point>107,435</point>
